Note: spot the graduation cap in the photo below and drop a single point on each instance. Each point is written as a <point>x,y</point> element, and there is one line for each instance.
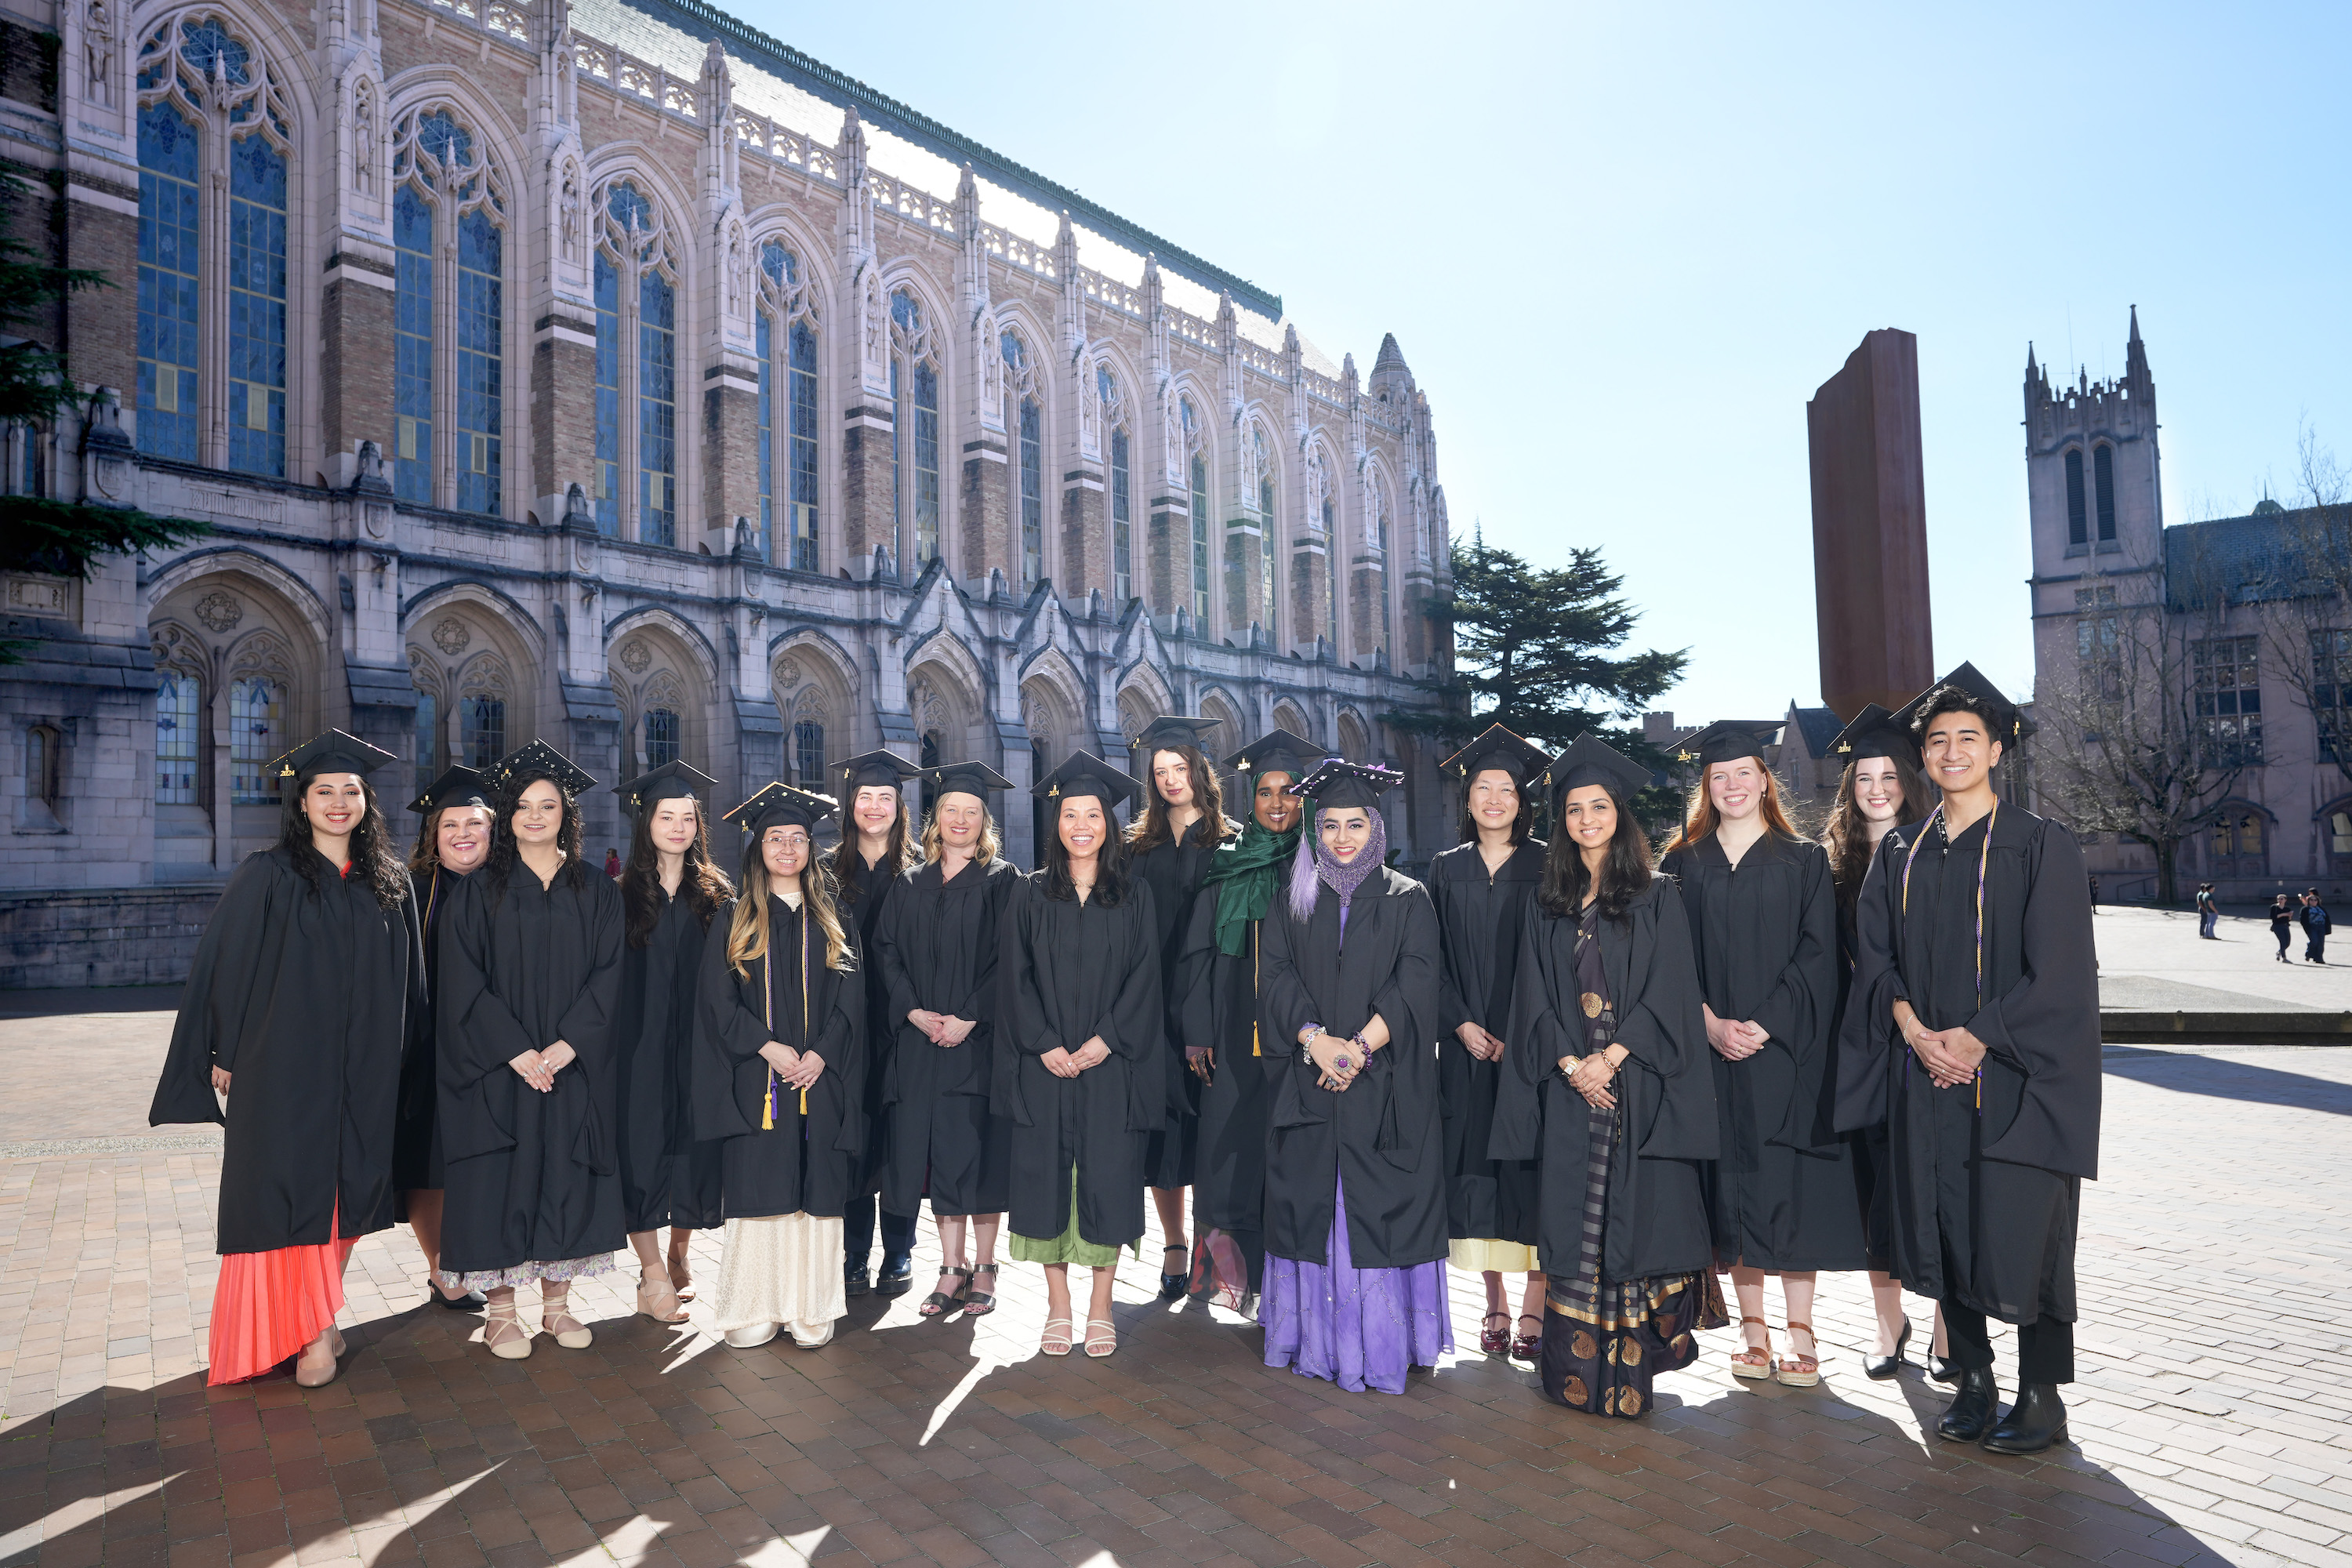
<point>1338,784</point>
<point>888,770</point>
<point>975,779</point>
<point>1590,760</point>
<point>539,757</point>
<point>459,787</point>
<point>1725,741</point>
<point>671,781</point>
<point>1083,774</point>
<point>1278,750</point>
<point>332,752</point>
<point>2008,725</point>
<point>1498,748</point>
<point>1875,732</point>
<point>782,805</point>
<point>1170,730</point>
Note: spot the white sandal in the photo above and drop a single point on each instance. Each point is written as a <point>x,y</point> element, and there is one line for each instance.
<point>513,1345</point>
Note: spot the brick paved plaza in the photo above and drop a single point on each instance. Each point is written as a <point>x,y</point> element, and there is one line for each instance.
<point>2213,1422</point>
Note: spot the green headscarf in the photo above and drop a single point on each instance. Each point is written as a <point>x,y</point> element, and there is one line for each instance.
<point>1246,871</point>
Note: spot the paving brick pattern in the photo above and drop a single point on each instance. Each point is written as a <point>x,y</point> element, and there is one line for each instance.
<point>2214,1419</point>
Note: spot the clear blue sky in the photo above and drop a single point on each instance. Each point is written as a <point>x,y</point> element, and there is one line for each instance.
<point>1619,245</point>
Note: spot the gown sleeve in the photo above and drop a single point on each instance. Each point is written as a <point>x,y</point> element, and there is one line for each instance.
<point>1284,1006</point>
<point>1408,1002</point>
<point>1134,1026</point>
<point>979,1005</point>
<point>480,1034</point>
<point>725,1036</point>
<point>1797,1013</point>
<point>1453,1003</point>
<point>888,959</point>
<point>1196,975</point>
<point>240,949</point>
<point>1866,1043</point>
<point>842,1043</point>
<point>1025,997</point>
<point>1537,1041</point>
<point>2047,1025</point>
<point>589,1019</point>
<point>1663,1031</point>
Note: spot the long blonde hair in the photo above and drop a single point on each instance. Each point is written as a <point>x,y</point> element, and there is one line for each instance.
<point>984,849</point>
<point>1701,820</point>
<point>747,929</point>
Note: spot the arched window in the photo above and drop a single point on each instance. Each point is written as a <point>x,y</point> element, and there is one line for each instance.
<point>808,753</point>
<point>1025,421</point>
<point>2238,843</point>
<point>2102,475</point>
<point>1376,503</point>
<point>661,737</point>
<point>482,730</point>
<point>1262,493</point>
<point>2335,835</point>
<point>429,740</point>
<point>1122,504</point>
<point>915,429</point>
<point>1324,508</point>
<point>176,740</point>
<point>253,740</point>
<point>930,749</point>
<point>1195,445</point>
<point>787,333</point>
<point>447,294</point>
<point>636,368</point>
<point>2078,523</point>
<point>214,145</point>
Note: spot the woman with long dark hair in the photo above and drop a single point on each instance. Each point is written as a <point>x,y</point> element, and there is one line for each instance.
<point>1085,1079</point>
<point>669,893</point>
<point>1881,788</point>
<point>1763,918</point>
<point>877,849</point>
<point>1220,978</point>
<point>1606,1086</point>
<point>460,819</point>
<point>1481,890</point>
<point>938,948</point>
<point>290,1034</point>
<point>1355,1212</point>
<point>531,978</point>
<point>1169,849</point>
<point>779,1068</point>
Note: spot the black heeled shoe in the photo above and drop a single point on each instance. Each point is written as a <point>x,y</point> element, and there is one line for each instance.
<point>471,1301</point>
<point>1971,1415</point>
<point>898,1277</point>
<point>2037,1420</point>
<point>1172,1287</point>
<point>1881,1367</point>
<point>1943,1368</point>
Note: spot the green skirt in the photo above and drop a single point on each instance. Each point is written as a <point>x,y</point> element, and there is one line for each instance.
<point>1067,1248</point>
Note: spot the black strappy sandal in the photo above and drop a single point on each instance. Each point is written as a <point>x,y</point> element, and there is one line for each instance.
<point>940,1301</point>
<point>979,1303</point>
<point>1173,1286</point>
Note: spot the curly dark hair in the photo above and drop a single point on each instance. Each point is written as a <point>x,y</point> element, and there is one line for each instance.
<point>1625,873</point>
<point>373,856</point>
<point>1110,863</point>
<point>1950,699</point>
<point>704,887</point>
<point>505,850</point>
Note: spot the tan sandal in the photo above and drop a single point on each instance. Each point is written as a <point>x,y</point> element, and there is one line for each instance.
<point>1754,1363</point>
<point>1799,1371</point>
<point>503,1331</point>
<point>556,1319</point>
<point>652,1294</point>
<point>681,1277</point>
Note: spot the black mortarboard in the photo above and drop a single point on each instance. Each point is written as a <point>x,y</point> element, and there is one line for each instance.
<point>1496,748</point>
<point>1725,741</point>
<point>1083,774</point>
<point>539,757</point>
<point>1339,784</point>
<point>2008,723</point>
<point>332,752</point>
<point>975,779</point>
<point>782,805</point>
<point>1589,760</point>
<point>671,781</point>
<point>1278,750</point>
<point>1874,732</point>
<point>887,769</point>
<point>1171,729</point>
<point>459,787</point>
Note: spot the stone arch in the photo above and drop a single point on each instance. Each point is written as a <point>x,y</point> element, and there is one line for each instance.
<point>943,698</point>
<point>665,682</point>
<point>1230,715</point>
<point>1288,715</point>
<point>1355,736</point>
<point>814,685</point>
<point>480,663</point>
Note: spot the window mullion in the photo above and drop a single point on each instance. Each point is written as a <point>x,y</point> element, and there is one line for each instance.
<point>632,522</point>
<point>212,307</point>
<point>444,358</point>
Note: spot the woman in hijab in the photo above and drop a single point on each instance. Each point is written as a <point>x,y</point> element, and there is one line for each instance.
<point>1218,980</point>
<point>1606,1085</point>
<point>290,1034</point>
<point>1355,1273</point>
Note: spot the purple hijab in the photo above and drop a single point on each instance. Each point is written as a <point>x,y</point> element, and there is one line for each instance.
<point>1315,864</point>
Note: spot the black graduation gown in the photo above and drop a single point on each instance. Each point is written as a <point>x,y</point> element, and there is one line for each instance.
<point>1382,1134</point>
<point>807,1163</point>
<point>1997,1190</point>
<point>307,998</point>
<point>1221,995</point>
<point>1874,1187</point>
<point>1781,1193</point>
<point>532,1177</point>
<point>1654,1224</point>
<point>938,949</point>
<point>1173,871</point>
<point>1479,917</point>
<point>1070,972</point>
<point>415,1134</point>
<point>669,1177</point>
<point>866,894</point>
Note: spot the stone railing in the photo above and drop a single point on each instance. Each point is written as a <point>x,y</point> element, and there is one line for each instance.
<point>1015,251</point>
<point>1266,361</point>
<point>1107,291</point>
<point>1324,388</point>
<point>1186,327</point>
<point>920,208</point>
<point>758,134</point>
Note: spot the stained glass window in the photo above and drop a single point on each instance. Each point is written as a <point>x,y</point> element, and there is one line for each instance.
<point>1200,540</point>
<point>482,730</point>
<point>808,753</point>
<point>253,740</point>
<point>804,451</point>
<point>412,346</point>
<point>656,410</point>
<point>256,307</point>
<point>764,347</point>
<point>481,361</point>
<point>1033,495</point>
<point>1122,525</point>
<point>167,283</point>
<point>607,500</point>
<point>661,738</point>
<point>428,741</point>
<point>176,740</point>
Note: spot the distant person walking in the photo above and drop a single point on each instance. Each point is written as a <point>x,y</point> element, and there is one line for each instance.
<point>2283,915</point>
<point>2316,925</point>
<point>2209,913</point>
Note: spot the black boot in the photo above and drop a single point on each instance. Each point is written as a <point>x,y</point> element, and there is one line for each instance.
<point>2037,1420</point>
<point>853,1278</point>
<point>1969,1416</point>
<point>897,1276</point>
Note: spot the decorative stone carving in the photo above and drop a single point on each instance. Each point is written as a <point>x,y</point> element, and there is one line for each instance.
<point>363,137</point>
<point>97,52</point>
<point>452,636</point>
<point>788,673</point>
<point>220,610</point>
<point>637,656</point>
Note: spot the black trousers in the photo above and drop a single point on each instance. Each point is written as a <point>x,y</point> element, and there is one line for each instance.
<point>2046,1347</point>
<point>857,1231</point>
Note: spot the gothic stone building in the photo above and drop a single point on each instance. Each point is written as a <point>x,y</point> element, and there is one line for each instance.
<point>2255,649</point>
<point>611,373</point>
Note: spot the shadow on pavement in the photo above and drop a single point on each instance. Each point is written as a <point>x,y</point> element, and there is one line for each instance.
<point>2229,1077</point>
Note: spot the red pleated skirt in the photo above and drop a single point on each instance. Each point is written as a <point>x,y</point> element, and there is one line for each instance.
<point>268,1305</point>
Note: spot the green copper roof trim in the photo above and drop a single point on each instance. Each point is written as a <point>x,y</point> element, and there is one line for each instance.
<point>1113,226</point>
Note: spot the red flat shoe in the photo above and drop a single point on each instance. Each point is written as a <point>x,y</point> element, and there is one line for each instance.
<point>1494,1342</point>
<point>1526,1347</point>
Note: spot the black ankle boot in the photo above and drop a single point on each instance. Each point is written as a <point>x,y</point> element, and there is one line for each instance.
<point>2037,1420</point>
<point>853,1282</point>
<point>1970,1413</point>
